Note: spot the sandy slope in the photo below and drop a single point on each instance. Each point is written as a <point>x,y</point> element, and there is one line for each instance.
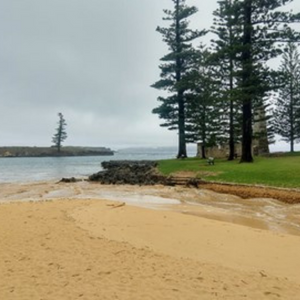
<point>89,249</point>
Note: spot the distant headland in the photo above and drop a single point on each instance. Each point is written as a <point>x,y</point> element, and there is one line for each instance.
<point>20,151</point>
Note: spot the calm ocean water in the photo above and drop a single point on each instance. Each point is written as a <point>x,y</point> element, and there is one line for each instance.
<point>24,169</point>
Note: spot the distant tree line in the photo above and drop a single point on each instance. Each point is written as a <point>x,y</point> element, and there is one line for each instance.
<point>216,92</point>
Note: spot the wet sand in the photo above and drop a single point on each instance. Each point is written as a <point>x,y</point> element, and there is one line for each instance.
<point>63,241</point>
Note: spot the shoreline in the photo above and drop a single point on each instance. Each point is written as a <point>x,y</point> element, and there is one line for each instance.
<point>58,155</point>
<point>244,191</point>
<point>261,213</point>
<point>66,151</point>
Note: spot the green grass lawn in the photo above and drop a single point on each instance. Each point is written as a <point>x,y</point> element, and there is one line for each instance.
<point>273,171</point>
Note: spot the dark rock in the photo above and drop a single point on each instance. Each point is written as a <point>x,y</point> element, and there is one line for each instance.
<point>72,179</point>
<point>138,173</point>
<point>129,172</point>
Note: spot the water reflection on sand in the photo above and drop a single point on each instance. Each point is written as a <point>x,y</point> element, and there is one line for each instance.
<point>258,213</point>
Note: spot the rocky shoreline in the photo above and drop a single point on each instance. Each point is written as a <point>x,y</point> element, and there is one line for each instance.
<point>129,172</point>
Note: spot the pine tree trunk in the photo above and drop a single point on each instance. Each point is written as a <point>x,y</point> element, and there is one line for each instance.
<point>292,117</point>
<point>181,127</point>
<point>231,124</point>
<point>231,148</point>
<point>247,133</point>
<point>231,127</point>
<point>203,152</point>
<point>247,84</point>
<point>181,112</point>
<point>292,146</point>
<point>59,137</point>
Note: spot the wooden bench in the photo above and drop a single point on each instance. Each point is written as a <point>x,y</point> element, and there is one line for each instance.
<point>211,161</point>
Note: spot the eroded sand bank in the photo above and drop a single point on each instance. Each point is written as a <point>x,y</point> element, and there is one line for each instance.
<point>78,247</point>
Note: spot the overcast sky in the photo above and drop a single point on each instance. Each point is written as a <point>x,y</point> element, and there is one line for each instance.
<point>93,61</point>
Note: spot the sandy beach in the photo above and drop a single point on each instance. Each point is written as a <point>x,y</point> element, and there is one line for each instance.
<point>71,241</point>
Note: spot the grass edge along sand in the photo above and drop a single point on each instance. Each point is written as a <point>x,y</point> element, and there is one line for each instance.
<point>282,172</point>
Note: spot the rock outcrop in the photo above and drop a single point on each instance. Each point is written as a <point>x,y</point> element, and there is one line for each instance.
<point>138,173</point>
<point>129,172</point>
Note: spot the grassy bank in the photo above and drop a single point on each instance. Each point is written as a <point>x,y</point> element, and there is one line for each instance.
<point>273,171</point>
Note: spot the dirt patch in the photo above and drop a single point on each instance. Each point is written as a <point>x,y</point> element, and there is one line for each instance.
<point>186,174</point>
<point>199,174</point>
<point>208,173</point>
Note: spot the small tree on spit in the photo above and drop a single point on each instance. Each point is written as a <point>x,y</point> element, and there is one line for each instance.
<point>61,134</point>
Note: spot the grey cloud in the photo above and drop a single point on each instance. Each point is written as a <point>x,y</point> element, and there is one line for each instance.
<point>92,60</point>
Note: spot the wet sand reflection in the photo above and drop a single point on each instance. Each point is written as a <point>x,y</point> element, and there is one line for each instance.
<point>259,213</point>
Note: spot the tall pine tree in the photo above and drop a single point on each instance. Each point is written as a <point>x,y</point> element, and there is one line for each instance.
<point>265,28</point>
<point>228,29</point>
<point>174,68</point>
<point>205,110</point>
<point>287,111</point>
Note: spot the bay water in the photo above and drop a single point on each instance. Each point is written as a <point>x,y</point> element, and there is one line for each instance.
<point>26,169</point>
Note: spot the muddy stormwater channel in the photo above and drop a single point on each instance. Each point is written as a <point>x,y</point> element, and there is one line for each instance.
<point>258,213</point>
